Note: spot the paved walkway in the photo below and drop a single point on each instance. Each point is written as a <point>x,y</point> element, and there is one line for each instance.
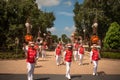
<point>108,69</point>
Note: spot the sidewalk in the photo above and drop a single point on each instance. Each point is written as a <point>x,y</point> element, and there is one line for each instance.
<point>44,68</point>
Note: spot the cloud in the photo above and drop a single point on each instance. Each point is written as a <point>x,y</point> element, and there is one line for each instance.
<point>66,13</point>
<point>53,29</point>
<point>68,3</point>
<point>47,3</point>
<point>69,29</point>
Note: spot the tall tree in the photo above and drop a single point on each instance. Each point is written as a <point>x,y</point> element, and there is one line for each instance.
<point>55,38</point>
<point>64,38</point>
<point>3,22</point>
<point>13,16</point>
<point>104,11</point>
<point>42,22</point>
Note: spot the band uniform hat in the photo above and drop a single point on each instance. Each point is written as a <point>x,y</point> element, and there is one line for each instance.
<point>69,45</point>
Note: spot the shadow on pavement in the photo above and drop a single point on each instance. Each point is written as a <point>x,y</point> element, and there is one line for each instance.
<point>101,73</point>
<point>42,60</point>
<point>85,63</point>
<point>47,78</point>
<point>4,76</point>
<point>38,66</point>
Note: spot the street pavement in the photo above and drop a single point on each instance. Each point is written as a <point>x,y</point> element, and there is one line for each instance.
<point>108,69</point>
<point>58,77</point>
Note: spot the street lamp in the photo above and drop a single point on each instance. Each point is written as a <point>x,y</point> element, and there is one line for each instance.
<point>72,37</point>
<point>39,38</point>
<point>17,43</point>
<point>44,34</point>
<point>84,33</point>
<point>94,26</point>
<point>83,27</point>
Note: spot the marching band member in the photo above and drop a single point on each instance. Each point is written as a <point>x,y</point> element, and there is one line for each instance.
<point>94,57</point>
<point>58,52</point>
<point>68,59</point>
<point>43,48</point>
<point>31,59</point>
<point>76,46</point>
<point>81,51</point>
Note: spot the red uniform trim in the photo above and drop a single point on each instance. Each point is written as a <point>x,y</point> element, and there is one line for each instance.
<point>68,56</point>
<point>31,55</point>
<point>95,55</point>
<point>76,46</point>
<point>36,47</point>
<point>58,51</point>
<point>81,50</point>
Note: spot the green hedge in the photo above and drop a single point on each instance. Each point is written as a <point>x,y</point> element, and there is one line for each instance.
<point>110,55</point>
<point>11,55</point>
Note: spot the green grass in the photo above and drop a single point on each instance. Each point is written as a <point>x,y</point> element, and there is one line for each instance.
<point>111,55</point>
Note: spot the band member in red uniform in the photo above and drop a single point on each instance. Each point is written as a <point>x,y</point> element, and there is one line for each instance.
<point>81,51</point>
<point>31,59</point>
<point>61,45</point>
<point>58,52</point>
<point>43,48</point>
<point>25,48</point>
<point>36,46</point>
<point>76,46</point>
<point>62,50</point>
<point>94,57</point>
<point>68,59</point>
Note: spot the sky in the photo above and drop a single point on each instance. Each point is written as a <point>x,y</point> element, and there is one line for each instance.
<point>63,11</point>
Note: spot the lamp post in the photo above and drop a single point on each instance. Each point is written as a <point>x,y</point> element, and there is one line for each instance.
<point>17,43</point>
<point>72,37</point>
<point>94,26</point>
<point>39,37</point>
<point>44,34</point>
<point>84,34</point>
<point>83,27</point>
<point>39,32</point>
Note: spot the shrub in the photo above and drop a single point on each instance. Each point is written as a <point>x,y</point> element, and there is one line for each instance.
<point>112,38</point>
<point>11,55</point>
<point>110,55</point>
